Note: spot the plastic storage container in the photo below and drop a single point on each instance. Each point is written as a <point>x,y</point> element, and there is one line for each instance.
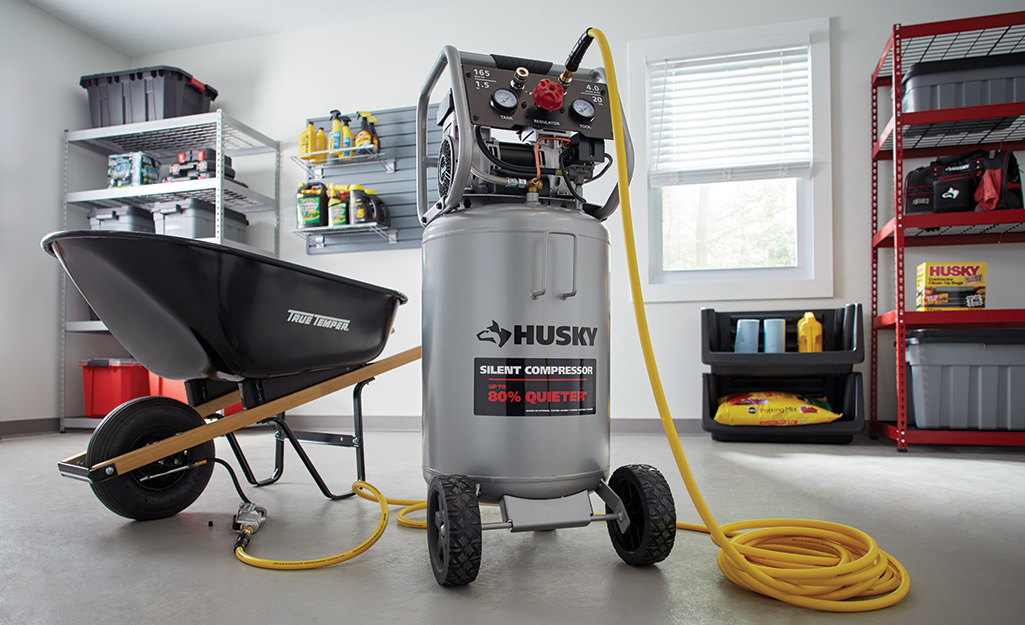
<point>175,389</point>
<point>967,379</point>
<point>128,218</point>
<point>975,81</point>
<point>827,373</point>
<point>109,382</point>
<point>145,94</point>
<point>195,219</point>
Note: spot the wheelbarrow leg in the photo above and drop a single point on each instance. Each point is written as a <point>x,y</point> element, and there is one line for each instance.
<point>279,458</point>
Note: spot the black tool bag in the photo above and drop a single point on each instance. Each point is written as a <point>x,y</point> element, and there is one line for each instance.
<point>918,191</point>
<point>1000,183</point>
<point>955,179</point>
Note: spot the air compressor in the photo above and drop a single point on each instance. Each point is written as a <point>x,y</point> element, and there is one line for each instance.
<point>516,313</point>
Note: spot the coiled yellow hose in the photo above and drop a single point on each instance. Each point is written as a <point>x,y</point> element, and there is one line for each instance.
<point>814,564</point>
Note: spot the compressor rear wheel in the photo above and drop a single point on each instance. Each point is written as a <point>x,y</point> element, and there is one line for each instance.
<point>453,530</point>
<point>649,505</point>
<point>139,495</point>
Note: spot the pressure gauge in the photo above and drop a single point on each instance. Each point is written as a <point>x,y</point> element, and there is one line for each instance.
<point>582,110</point>
<point>504,101</point>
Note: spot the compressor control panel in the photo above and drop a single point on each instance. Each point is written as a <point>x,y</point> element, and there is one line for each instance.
<point>500,98</point>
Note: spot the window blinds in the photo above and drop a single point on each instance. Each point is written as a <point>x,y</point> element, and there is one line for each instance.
<point>741,116</point>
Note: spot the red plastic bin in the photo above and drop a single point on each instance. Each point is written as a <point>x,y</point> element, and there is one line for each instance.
<point>109,382</point>
<point>175,389</point>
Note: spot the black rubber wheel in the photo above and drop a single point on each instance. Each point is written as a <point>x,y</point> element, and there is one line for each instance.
<point>649,505</point>
<point>142,422</point>
<point>453,530</point>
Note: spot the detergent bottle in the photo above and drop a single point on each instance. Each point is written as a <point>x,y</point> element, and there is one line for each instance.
<point>321,151</point>
<point>307,142</point>
<point>809,334</point>
<point>380,209</point>
<point>334,138</point>
<point>364,140</point>
<point>346,138</point>
<point>361,210</point>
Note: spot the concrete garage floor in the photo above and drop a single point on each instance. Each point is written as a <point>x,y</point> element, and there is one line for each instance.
<point>953,516</point>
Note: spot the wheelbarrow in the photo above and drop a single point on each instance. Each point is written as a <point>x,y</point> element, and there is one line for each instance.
<point>235,325</point>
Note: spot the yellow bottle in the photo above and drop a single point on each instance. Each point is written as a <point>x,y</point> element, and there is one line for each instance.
<point>307,142</point>
<point>809,334</point>
<point>321,155</point>
<point>334,140</point>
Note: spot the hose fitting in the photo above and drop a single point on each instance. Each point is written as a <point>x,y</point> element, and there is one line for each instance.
<point>575,56</point>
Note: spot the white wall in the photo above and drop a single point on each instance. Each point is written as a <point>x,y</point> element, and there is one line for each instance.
<point>274,82</point>
<point>41,61</point>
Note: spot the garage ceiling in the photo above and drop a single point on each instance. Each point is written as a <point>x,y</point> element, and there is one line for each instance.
<point>139,28</point>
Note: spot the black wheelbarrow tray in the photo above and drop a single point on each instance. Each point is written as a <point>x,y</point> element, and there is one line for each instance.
<point>235,325</point>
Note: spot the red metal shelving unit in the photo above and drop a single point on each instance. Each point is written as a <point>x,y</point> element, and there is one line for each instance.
<point>931,134</point>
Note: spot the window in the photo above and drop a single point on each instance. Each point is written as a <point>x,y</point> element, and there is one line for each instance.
<point>738,164</point>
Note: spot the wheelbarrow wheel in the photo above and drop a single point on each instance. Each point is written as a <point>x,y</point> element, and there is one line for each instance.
<point>652,513</point>
<point>149,492</point>
<point>453,530</point>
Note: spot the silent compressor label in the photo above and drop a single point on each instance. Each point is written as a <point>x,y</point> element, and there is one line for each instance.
<point>530,387</point>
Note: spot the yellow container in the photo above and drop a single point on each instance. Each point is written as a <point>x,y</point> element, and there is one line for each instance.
<point>809,334</point>
<point>321,151</point>
<point>307,142</point>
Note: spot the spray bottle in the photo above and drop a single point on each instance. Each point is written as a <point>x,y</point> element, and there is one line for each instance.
<point>334,138</point>
<point>338,206</point>
<point>364,140</point>
<point>368,124</point>
<point>346,138</point>
<point>307,142</point>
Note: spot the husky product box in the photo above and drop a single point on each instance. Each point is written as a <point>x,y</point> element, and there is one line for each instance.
<point>109,382</point>
<point>132,169</point>
<point>129,218</point>
<point>967,379</point>
<point>195,219</point>
<point>975,81</point>
<point>950,286</point>
<point>145,94</point>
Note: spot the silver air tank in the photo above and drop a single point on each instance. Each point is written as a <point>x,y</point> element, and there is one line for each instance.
<point>516,350</point>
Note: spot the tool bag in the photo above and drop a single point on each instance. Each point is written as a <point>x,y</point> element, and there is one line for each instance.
<point>1000,183</point>
<point>955,179</point>
<point>918,191</point>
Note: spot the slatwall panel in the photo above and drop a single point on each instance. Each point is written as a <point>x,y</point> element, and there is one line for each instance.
<point>396,129</point>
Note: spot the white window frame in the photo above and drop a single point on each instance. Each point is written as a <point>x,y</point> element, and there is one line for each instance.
<point>813,276</point>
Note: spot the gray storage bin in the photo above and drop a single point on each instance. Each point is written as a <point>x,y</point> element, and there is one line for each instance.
<point>976,81</point>
<point>967,379</point>
<point>131,218</point>
<point>195,219</point>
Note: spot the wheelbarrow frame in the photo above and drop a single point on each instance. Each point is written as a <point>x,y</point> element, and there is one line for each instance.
<point>76,468</point>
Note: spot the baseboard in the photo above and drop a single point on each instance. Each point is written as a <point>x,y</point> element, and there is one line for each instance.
<point>26,427</point>
<point>324,423</point>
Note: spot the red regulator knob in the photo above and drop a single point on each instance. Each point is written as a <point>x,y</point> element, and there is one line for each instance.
<point>548,94</point>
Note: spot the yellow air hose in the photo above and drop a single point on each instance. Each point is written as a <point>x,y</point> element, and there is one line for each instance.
<point>813,564</point>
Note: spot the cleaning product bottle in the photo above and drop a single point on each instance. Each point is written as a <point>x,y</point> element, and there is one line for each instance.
<point>338,206</point>
<point>307,141</point>
<point>373,134</point>
<point>809,334</point>
<point>361,210</point>
<point>311,205</point>
<point>321,155</point>
<point>346,138</point>
<point>364,140</point>
<point>334,138</point>
<point>381,215</point>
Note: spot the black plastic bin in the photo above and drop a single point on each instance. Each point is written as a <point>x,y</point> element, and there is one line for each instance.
<point>145,94</point>
<point>843,392</point>
<point>828,373</point>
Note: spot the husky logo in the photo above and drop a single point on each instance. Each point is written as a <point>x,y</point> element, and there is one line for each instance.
<point>951,193</point>
<point>500,335</point>
<point>541,335</point>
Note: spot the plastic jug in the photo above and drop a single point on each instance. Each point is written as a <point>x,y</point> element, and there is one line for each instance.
<point>311,205</point>
<point>307,142</point>
<point>809,334</point>
<point>338,206</point>
<point>361,209</point>
<point>321,151</point>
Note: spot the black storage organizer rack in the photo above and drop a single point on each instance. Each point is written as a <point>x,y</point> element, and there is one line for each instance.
<point>828,373</point>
